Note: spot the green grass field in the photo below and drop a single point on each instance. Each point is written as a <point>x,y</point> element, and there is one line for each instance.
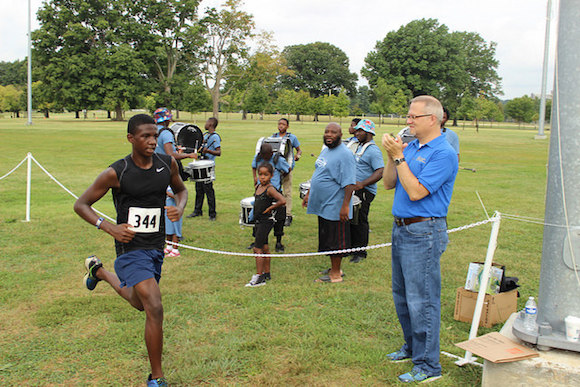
<point>290,332</point>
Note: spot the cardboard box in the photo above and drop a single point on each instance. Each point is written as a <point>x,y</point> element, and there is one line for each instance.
<point>497,348</point>
<point>474,277</point>
<point>496,307</point>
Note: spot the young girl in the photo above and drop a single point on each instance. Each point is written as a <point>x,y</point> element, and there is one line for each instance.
<point>172,229</point>
<point>264,198</point>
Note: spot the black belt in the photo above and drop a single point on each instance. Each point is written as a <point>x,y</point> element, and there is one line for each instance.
<point>416,219</point>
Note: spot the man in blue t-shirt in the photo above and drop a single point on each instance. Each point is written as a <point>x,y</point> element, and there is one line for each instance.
<point>166,138</point>
<point>369,170</point>
<point>351,129</point>
<point>210,150</point>
<point>329,197</point>
<point>450,135</point>
<point>422,174</point>
<point>281,168</point>
<point>283,125</point>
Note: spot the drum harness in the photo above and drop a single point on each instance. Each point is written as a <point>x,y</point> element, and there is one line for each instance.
<point>184,175</point>
<point>205,142</point>
<point>358,154</point>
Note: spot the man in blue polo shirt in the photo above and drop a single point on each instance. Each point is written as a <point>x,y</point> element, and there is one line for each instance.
<point>423,174</point>
<point>330,197</point>
<point>369,170</point>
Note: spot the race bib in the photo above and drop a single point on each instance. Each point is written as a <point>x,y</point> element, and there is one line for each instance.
<point>144,219</point>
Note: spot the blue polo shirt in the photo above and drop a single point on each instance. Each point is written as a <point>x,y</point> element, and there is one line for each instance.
<point>293,140</point>
<point>166,136</point>
<point>368,163</point>
<point>334,169</point>
<point>280,166</point>
<point>435,165</point>
<point>213,142</point>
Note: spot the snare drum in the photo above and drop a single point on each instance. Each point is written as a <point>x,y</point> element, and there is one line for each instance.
<point>280,145</point>
<point>356,204</point>
<point>304,188</point>
<point>246,206</point>
<point>202,171</point>
<point>187,136</point>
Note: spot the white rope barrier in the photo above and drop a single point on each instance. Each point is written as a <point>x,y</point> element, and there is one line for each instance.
<point>15,168</point>
<point>334,252</point>
<point>289,255</point>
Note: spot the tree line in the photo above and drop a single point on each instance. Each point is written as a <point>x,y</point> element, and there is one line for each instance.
<point>118,55</point>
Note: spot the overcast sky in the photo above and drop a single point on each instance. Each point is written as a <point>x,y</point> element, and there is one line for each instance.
<point>517,26</point>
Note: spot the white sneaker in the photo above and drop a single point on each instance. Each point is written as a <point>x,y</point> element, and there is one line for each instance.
<point>257,280</point>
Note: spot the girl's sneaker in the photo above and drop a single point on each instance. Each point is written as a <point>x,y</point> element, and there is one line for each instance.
<point>167,249</point>
<point>173,253</point>
<point>159,382</point>
<point>257,280</point>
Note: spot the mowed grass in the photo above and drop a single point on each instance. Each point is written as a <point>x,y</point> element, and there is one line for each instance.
<point>290,332</point>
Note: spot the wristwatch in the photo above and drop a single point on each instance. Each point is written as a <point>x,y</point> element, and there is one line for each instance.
<point>399,161</point>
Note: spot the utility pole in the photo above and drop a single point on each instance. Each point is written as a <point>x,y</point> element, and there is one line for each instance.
<point>541,135</point>
<point>560,271</point>
<point>29,107</point>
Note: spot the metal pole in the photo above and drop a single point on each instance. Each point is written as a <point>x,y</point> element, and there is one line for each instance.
<point>560,271</point>
<point>541,135</point>
<point>28,184</point>
<point>29,106</point>
<point>483,284</point>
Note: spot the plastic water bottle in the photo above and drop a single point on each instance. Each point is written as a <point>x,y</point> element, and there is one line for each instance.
<point>530,316</point>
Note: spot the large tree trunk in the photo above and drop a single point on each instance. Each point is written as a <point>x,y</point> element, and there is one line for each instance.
<point>244,114</point>
<point>77,114</point>
<point>455,121</point>
<point>176,114</point>
<point>297,116</point>
<point>215,102</point>
<point>118,113</point>
<point>476,125</point>
<point>46,113</point>
<point>108,114</point>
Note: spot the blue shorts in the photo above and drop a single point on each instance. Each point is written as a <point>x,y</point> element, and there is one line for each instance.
<point>138,265</point>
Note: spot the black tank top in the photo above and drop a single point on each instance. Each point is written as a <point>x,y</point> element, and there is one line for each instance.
<point>261,202</point>
<point>142,194</point>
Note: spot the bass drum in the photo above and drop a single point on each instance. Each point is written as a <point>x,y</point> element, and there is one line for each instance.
<point>187,136</point>
<point>279,145</point>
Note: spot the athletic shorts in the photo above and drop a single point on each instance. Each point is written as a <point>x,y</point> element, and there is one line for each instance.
<point>138,265</point>
<point>333,235</point>
<point>262,230</point>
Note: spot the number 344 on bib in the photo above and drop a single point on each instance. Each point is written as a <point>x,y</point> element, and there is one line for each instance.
<point>144,219</point>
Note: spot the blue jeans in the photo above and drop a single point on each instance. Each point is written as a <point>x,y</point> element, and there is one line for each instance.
<point>416,282</point>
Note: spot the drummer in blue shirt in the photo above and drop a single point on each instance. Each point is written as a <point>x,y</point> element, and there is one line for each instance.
<point>369,170</point>
<point>211,149</point>
<point>283,125</point>
<point>166,138</point>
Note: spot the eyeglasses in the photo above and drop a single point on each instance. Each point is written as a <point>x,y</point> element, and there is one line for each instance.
<point>414,117</point>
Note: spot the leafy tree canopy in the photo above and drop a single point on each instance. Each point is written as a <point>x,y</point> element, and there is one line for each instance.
<point>13,73</point>
<point>426,58</point>
<point>319,68</point>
